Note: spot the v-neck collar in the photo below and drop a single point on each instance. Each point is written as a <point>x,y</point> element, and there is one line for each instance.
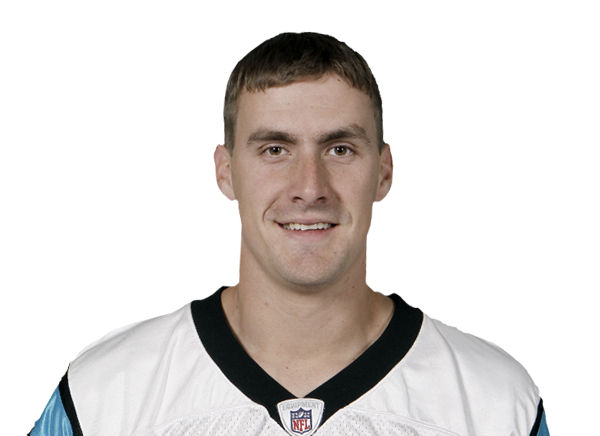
<point>346,386</point>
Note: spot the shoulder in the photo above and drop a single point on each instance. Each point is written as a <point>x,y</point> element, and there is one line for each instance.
<point>445,351</point>
<point>131,346</point>
<point>476,359</point>
<point>461,383</point>
<point>482,384</point>
<point>153,370</point>
<point>132,356</point>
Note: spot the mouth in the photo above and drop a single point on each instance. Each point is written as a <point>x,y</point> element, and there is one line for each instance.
<point>307,227</point>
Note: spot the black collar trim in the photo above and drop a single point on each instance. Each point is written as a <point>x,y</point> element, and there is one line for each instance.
<point>342,389</point>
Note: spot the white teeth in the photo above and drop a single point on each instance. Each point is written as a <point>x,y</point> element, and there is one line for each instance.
<point>295,226</point>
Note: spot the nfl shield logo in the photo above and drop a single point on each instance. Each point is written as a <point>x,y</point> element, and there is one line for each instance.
<point>301,416</point>
<point>301,420</point>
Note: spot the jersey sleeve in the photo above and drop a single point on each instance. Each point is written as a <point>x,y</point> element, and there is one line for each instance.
<point>540,428</point>
<point>54,420</point>
<point>543,427</point>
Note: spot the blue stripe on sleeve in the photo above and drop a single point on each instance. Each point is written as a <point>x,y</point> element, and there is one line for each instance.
<point>54,420</point>
<point>543,431</point>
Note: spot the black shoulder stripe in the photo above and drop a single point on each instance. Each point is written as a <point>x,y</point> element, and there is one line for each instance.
<point>538,420</point>
<point>67,400</point>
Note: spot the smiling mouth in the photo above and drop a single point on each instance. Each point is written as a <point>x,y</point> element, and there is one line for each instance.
<point>307,227</point>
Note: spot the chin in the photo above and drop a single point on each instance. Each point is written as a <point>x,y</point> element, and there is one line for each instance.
<point>311,277</point>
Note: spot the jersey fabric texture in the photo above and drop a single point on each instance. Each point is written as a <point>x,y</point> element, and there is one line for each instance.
<point>186,374</point>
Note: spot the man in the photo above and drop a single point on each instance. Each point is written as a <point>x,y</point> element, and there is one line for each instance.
<point>301,345</point>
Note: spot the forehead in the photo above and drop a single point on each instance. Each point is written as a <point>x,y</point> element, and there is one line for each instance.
<point>313,104</point>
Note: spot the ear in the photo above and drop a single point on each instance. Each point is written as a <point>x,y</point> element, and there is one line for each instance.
<point>386,171</point>
<point>223,171</point>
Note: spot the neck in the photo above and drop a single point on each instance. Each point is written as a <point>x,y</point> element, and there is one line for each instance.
<point>302,336</point>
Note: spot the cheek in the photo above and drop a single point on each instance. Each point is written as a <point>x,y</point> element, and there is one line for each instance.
<point>359,185</point>
<point>358,191</point>
<point>256,189</point>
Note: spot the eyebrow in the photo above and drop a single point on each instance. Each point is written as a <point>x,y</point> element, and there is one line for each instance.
<point>266,135</point>
<point>353,131</point>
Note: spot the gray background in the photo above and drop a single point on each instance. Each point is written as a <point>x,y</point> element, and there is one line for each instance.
<point>148,229</point>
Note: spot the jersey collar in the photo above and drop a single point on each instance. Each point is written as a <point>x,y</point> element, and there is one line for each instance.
<point>348,385</point>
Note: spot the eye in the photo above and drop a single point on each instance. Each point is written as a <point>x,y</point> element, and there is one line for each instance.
<point>276,151</point>
<point>340,150</point>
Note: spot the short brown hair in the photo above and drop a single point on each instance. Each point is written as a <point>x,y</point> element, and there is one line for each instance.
<point>289,57</point>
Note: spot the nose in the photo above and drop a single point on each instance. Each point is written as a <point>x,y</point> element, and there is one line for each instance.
<point>309,180</point>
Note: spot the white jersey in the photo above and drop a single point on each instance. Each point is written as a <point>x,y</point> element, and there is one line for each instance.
<point>186,374</point>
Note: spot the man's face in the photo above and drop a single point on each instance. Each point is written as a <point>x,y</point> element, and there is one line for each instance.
<point>305,170</point>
